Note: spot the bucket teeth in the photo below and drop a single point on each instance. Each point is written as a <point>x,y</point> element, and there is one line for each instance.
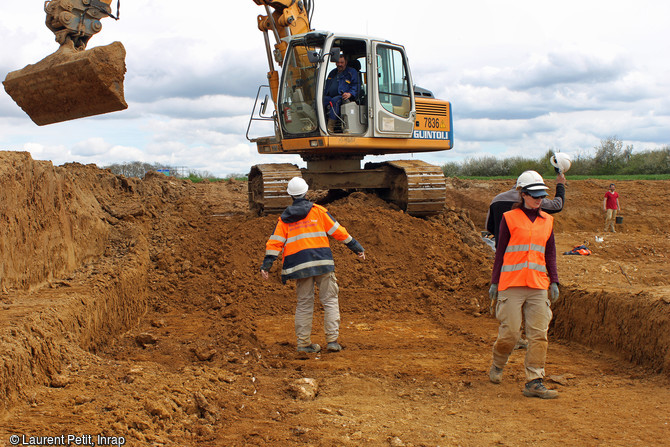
<point>71,84</point>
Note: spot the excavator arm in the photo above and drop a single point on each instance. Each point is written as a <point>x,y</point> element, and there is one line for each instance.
<point>283,18</point>
<point>76,21</point>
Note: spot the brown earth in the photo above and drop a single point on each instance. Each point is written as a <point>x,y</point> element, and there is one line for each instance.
<point>135,308</point>
<point>50,90</point>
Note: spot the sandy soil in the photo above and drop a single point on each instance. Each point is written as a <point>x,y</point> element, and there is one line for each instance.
<point>135,308</point>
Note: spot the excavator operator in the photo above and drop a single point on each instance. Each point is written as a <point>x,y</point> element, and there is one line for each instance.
<point>343,83</point>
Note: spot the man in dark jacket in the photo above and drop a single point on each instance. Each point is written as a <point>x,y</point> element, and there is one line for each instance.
<point>302,235</point>
<point>342,84</point>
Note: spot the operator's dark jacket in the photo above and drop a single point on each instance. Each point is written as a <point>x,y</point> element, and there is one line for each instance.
<point>349,82</point>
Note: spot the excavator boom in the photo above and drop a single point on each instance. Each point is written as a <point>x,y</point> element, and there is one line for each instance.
<point>72,82</point>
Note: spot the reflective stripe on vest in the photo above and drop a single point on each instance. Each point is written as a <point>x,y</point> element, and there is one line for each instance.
<point>524,263</point>
<point>305,246</point>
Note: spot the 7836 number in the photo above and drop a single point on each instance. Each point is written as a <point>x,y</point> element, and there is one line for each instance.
<point>431,123</point>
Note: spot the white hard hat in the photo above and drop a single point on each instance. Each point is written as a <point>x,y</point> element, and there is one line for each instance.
<point>561,162</point>
<point>531,181</point>
<point>297,186</point>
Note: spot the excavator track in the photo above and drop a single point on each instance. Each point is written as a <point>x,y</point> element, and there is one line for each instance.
<point>267,187</point>
<point>416,187</point>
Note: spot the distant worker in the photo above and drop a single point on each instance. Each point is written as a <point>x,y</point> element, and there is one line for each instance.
<point>611,207</point>
<point>504,201</point>
<point>302,233</point>
<point>524,278</point>
<point>342,84</point>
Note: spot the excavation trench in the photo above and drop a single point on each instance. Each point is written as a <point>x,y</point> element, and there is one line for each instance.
<point>634,327</point>
<point>138,310</point>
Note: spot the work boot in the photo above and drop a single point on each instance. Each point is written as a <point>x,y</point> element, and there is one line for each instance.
<point>535,388</point>
<point>334,346</point>
<point>521,344</point>
<point>495,374</point>
<point>331,125</point>
<point>310,349</point>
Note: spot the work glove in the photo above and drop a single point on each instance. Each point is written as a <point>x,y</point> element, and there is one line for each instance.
<point>493,296</point>
<point>553,292</point>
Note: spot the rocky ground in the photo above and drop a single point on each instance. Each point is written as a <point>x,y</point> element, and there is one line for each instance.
<point>135,309</point>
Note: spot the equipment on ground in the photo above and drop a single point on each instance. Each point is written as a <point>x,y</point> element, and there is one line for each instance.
<point>561,162</point>
<point>72,82</point>
<point>389,116</point>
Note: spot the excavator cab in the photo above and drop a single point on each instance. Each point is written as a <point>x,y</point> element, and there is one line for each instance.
<point>72,82</point>
<point>384,105</point>
<point>302,110</point>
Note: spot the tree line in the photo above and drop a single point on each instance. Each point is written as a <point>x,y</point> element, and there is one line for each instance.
<point>139,169</point>
<point>610,158</point>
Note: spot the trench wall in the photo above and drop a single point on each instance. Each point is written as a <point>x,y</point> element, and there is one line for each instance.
<point>636,327</point>
<point>62,290</point>
<point>48,224</point>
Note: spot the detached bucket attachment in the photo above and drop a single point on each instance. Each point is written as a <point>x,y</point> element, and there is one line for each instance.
<point>71,84</point>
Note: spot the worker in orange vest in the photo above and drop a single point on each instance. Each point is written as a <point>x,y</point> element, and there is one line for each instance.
<point>524,280</point>
<point>302,234</point>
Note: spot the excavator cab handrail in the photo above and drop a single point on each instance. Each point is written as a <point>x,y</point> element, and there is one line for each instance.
<point>261,111</point>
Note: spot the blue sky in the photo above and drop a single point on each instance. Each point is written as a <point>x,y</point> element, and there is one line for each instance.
<point>523,77</point>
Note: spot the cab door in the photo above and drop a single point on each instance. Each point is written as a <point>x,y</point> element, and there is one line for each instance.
<point>393,102</point>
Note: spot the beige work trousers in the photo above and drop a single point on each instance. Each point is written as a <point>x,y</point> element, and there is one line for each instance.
<point>304,310</point>
<point>610,218</point>
<point>534,306</point>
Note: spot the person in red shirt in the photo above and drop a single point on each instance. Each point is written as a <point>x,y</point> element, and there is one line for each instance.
<point>611,207</point>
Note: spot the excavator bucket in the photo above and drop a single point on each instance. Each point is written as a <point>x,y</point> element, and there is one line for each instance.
<point>70,84</point>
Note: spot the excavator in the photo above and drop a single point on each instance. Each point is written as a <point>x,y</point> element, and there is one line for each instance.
<point>73,82</point>
<point>389,115</point>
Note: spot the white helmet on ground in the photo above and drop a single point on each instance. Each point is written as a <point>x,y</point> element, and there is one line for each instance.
<point>532,183</point>
<point>297,186</point>
<point>561,162</point>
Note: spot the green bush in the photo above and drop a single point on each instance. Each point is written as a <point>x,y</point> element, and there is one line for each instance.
<point>610,158</point>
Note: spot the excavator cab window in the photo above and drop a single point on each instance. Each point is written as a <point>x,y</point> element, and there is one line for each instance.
<point>393,81</point>
<point>353,113</point>
<point>297,96</point>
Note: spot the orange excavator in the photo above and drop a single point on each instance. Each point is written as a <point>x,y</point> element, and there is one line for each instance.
<point>388,115</point>
<point>72,82</point>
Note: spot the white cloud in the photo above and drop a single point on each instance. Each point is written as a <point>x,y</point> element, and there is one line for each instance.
<point>522,79</point>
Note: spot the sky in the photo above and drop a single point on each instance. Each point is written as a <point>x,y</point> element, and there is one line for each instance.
<point>524,77</point>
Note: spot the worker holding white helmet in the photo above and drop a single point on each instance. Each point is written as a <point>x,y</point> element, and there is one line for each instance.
<point>524,283</point>
<point>503,202</point>
<point>301,234</point>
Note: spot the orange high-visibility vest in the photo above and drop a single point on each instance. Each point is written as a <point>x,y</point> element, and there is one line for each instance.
<point>305,245</point>
<point>523,263</point>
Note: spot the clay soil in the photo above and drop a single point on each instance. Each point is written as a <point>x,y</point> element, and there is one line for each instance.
<point>134,308</point>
